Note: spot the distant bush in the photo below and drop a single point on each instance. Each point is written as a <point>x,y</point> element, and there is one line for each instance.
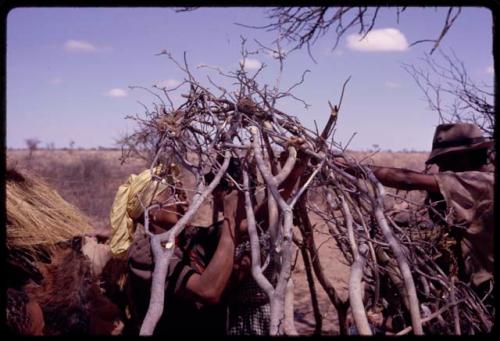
<point>32,144</point>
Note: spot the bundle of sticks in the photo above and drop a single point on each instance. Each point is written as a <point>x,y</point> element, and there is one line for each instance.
<point>394,270</point>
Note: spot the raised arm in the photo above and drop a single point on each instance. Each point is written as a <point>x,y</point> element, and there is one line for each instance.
<point>208,286</point>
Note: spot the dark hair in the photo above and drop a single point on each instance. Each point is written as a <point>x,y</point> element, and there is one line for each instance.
<point>233,170</point>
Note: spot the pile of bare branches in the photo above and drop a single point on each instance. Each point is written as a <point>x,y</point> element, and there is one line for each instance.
<point>394,270</point>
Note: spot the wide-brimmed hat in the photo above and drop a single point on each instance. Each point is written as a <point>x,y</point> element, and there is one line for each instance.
<point>457,137</point>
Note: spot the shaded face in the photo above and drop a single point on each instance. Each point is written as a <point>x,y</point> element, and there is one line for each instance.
<point>459,161</point>
<point>170,213</point>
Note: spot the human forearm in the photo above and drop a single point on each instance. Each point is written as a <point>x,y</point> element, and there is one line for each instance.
<point>405,179</point>
<point>399,178</point>
<point>298,170</point>
<point>209,286</point>
<point>393,177</point>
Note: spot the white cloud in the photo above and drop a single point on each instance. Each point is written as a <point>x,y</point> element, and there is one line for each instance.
<point>56,80</point>
<point>338,53</point>
<point>490,70</point>
<point>250,64</point>
<point>392,85</point>
<point>117,92</point>
<point>79,46</point>
<point>168,83</point>
<point>381,40</point>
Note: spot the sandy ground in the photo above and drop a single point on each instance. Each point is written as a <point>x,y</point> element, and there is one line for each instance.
<point>336,271</point>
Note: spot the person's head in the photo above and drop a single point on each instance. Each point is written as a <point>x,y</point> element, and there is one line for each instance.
<point>459,147</point>
<point>233,170</point>
<point>170,212</point>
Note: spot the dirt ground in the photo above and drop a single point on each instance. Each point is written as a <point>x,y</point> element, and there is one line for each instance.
<point>336,271</point>
<point>89,179</point>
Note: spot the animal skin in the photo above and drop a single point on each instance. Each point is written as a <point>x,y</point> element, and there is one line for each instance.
<point>70,297</point>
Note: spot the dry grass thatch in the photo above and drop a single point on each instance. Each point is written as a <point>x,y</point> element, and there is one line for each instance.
<point>37,214</point>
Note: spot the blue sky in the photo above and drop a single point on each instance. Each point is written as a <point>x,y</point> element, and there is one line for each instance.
<point>69,69</point>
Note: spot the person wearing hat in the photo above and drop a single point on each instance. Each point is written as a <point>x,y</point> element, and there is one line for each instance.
<point>464,184</point>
